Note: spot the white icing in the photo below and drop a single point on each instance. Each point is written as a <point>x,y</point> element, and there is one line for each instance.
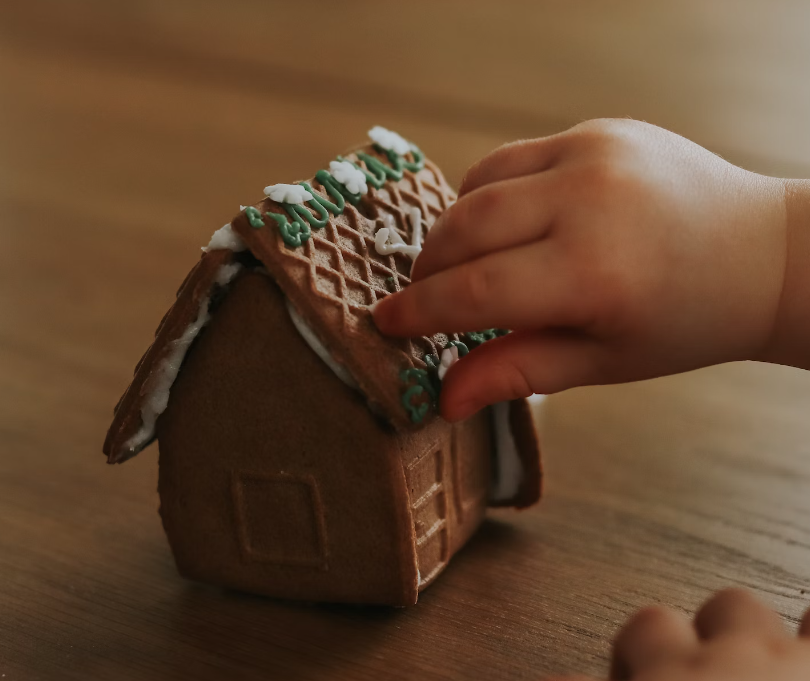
<point>319,348</point>
<point>162,378</point>
<point>388,241</point>
<point>288,193</point>
<point>388,139</point>
<point>226,273</point>
<point>225,239</point>
<point>508,467</point>
<point>416,227</point>
<point>349,176</point>
<point>449,358</point>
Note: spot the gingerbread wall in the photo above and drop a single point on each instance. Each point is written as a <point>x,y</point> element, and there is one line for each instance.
<point>276,478</point>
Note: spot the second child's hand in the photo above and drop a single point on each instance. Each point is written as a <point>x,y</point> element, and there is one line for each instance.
<point>734,637</point>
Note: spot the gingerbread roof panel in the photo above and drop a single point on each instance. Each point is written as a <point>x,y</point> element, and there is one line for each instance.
<point>131,430</point>
<point>332,269</point>
<point>334,245</point>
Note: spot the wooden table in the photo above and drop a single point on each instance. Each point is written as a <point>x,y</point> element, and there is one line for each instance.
<point>131,131</point>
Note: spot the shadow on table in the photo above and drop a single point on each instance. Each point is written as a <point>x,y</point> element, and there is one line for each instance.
<point>244,636</point>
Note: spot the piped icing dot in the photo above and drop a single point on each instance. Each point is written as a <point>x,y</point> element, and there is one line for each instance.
<point>388,139</point>
<point>287,193</point>
<point>349,176</point>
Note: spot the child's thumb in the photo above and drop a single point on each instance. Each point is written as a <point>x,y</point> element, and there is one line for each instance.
<point>517,365</point>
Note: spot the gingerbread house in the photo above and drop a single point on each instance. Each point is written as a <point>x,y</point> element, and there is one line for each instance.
<point>301,452</point>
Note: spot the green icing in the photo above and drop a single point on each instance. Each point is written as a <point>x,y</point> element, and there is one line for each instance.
<point>422,383</point>
<point>426,380</point>
<point>462,349</point>
<point>318,222</point>
<point>297,232</point>
<point>294,233</point>
<point>254,217</point>
<point>337,191</point>
<point>417,412</point>
<point>477,338</point>
<point>418,160</point>
<point>379,172</point>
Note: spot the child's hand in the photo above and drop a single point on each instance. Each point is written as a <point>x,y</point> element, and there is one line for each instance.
<point>616,251</point>
<point>734,638</point>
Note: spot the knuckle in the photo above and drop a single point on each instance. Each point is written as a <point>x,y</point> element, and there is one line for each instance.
<point>476,174</point>
<point>603,178</point>
<point>475,210</point>
<point>593,133</point>
<point>606,129</point>
<point>478,287</point>
<point>487,204</point>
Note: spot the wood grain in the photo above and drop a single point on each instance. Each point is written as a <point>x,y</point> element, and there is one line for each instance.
<point>130,132</point>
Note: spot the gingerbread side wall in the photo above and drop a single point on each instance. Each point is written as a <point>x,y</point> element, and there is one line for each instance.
<point>275,478</point>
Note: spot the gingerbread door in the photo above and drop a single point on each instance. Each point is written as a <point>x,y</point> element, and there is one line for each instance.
<point>425,477</point>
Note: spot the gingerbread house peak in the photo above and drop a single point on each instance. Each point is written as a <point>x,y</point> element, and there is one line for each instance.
<point>334,245</point>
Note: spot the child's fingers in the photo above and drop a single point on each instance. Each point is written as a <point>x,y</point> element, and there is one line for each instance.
<point>515,159</point>
<point>497,216</point>
<point>518,365</point>
<point>516,289</point>
<point>652,636</point>
<point>736,611</point>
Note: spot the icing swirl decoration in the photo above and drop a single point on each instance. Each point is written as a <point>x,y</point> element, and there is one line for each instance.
<point>476,338</point>
<point>429,381</point>
<point>421,384</point>
<point>388,241</point>
<point>254,217</point>
<point>303,209</point>
<point>344,181</point>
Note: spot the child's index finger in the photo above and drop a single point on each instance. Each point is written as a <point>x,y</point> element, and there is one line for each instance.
<point>495,291</point>
<point>493,218</point>
<point>516,159</point>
